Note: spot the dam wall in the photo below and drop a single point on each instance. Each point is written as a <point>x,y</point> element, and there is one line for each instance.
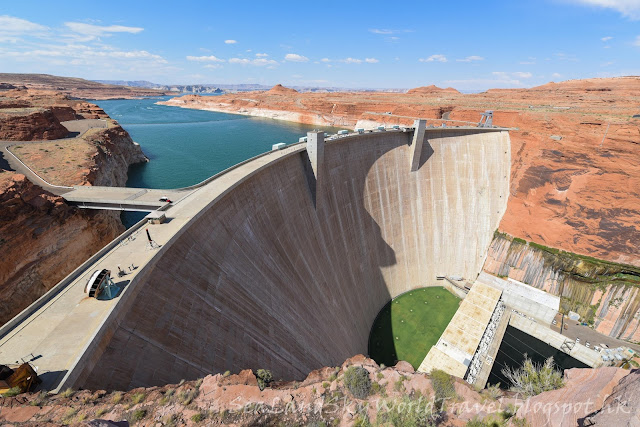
<point>283,274</point>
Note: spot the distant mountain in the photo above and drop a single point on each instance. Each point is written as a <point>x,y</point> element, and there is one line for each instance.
<point>78,88</point>
<point>240,87</point>
<point>136,83</point>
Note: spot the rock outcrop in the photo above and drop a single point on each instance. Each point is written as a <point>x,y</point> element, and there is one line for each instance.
<point>115,151</point>
<point>75,87</point>
<point>622,407</point>
<point>42,240</point>
<point>33,126</point>
<point>605,294</point>
<point>584,392</point>
<point>398,396</point>
<point>430,90</point>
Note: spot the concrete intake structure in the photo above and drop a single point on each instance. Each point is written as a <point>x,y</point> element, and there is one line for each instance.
<point>285,267</point>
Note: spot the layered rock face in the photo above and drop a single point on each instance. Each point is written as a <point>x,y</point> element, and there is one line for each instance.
<point>42,240</point>
<point>115,151</point>
<point>606,294</point>
<point>33,126</point>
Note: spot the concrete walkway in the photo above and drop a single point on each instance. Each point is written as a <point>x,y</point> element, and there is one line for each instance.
<point>59,334</point>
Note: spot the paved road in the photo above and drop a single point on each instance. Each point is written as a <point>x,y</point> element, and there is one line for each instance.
<point>586,334</point>
<point>20,167</point>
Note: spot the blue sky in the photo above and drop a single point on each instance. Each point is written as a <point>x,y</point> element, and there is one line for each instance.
<point>470,45</point>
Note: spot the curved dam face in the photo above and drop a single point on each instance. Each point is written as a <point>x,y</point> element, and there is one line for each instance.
<point>288,270</point>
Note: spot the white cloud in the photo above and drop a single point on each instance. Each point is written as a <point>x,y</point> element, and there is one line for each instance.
<point>294,57</point>
<point>213,66</point>
<point>12,27</point>
<point>471,58</point>
<point>523,74</point>
<point>628,8</point>
<point>351,60</point>
<point>381,31</point>
<point>556,75</point>
<point>210,58</point>
<point>371,60</point>
<point>261,55</point>
<point>325,60</point>
<point>434,58</point>
<point>231,41</point>
<point>259,62</point>
<point>637,42</point>
<point>387,31</point>
<point>606,64</point>
<point>606,39</point>
<point>90,31</point>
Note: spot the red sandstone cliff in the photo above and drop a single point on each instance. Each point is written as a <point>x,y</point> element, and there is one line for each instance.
<point>42,239</point>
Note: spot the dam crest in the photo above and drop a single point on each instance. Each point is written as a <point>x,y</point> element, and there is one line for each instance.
<point>282,262</point>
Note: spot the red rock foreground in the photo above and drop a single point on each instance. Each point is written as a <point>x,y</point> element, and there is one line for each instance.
<point>399,397</point>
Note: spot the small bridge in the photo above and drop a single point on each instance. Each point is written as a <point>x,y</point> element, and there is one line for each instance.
<point>123,198</point>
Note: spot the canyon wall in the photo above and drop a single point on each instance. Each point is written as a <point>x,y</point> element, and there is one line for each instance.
<point>605,294</point>
<point>43,239</point>
<point>288,273</point>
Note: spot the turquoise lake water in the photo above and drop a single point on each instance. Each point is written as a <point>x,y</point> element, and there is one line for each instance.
<point>187,146</point>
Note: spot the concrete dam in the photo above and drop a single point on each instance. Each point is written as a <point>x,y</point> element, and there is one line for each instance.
<point>282,262</point>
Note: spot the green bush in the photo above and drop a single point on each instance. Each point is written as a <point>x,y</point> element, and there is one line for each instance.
<point>264,377</point>
<point>196,418</point>
<point>532,379</point>
<point>442,384</point>
<point>405,411</point>
<point>357,381</point>
<point>13,391</point>
<point>138,415</point>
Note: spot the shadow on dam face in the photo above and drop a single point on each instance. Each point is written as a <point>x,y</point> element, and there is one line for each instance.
<point>266,278</point>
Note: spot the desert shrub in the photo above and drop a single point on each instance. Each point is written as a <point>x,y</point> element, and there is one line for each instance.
<point>478,422</point>
<point>264,377</point>
<point>533,378</point>
<point>186,397</point>
<point>137,398</point>
<point>117,397</point>
<point>138,415</point>
<point>67,393</point>
<point>13,391</point>
<point>442,384</point>
<point>357,381</point>
<point>196,418</point>
<point>40,399</point>
<point>405,411</point>
<point>362,421</point>
<point>399,385</point>
<point>100,412</point>
<point>493,391</point>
